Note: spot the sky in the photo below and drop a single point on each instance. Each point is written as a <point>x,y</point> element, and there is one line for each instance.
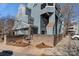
<point>12,8</point>
<point>75,10</point>
<point>9,9</point>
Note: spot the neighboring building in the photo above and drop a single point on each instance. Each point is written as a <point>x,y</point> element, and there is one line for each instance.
<point>46,16</point>
<point>22,21</point>
<point>74,28</point>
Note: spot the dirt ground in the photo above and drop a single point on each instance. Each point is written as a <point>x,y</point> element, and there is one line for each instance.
<point>33,50</point>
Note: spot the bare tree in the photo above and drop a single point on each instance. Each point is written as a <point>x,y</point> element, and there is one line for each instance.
<point>67,12</point>
<point>1,28</point>
<point>6,24</point>
<point>57,21</point>
<point>72,49</point>
<point>10,24</point>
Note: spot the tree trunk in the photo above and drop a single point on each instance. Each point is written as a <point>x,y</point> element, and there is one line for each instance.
<point>55,35</point>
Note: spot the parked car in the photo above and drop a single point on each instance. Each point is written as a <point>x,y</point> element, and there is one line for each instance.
<point>6,53</point>
<point>75,37</point>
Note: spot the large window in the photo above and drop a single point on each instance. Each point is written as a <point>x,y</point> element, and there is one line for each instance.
<point>43,5</point>
<point>50,4</point>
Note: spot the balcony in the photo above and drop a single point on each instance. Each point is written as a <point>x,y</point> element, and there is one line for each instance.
<point>47,9</point>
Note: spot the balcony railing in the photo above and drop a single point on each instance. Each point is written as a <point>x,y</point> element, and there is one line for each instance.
<point>47,9</point>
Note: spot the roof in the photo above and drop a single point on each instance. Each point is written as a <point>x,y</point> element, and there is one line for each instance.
<point>20,26</point>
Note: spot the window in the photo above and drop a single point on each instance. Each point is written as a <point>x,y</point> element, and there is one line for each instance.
<point>70,28</point>
<point>43,5</point>
<point>56,16</point>
<point>42,32</point>
<point>34,5</point>
<point>50,4</point>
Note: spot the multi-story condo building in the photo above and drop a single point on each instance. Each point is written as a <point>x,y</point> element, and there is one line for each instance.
<point>23,19</point>
<point>46,17</point>
<point>74,28</point>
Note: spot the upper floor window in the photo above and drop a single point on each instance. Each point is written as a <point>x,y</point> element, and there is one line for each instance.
<point>43,5</point>
<point>50,4</point>
<point>34,5</point>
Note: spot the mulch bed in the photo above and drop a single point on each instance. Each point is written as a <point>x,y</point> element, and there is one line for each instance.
<point>43,45</point>
<point>19,43</point>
